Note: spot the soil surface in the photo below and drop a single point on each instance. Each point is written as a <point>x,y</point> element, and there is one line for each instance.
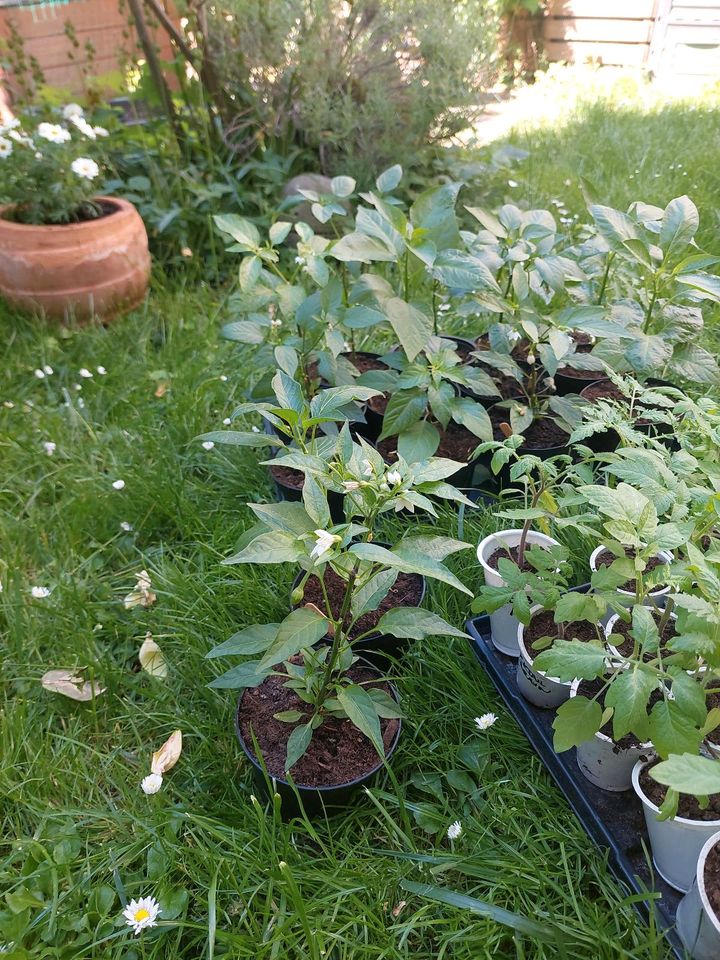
<point>589,375</point>
<point>606,390</point>
<point>626,646</point>
<point>543,625</point>
<point>542,434</point>
<point>456,443</point>
<point>338,752</point>
<point>508,553</point>
<point>712,879</point>
<point>589,688</point>
<point>519,353</point>
<point>286,477</point>
<point>405,592</point>
<point>378,404</point>
<point>605,559</point>
<point>688,806</point>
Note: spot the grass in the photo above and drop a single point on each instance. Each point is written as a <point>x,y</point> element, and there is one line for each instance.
<point>232,878</point>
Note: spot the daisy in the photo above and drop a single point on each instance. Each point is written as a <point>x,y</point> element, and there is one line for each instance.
<point>323,544</point>
<point>485,721</point>
<point>53,132</point>
<point>208,444</point>
<point>40,593</point>
<point>84,127</point>
<point>124,525</point>
<point>101,370</point>
<point>118,484</point>
<point>227,421</point>
<point>40,374</point>
<point>73,110</point>
<point>101,132</point>
<point>84,372</point>
<point>50,447</point>
<point>142,913</point>
<point>5,148</point>
<point>47,369</point>
<point>86,168</point>
<point>152,783</point>
<point>454,830</point>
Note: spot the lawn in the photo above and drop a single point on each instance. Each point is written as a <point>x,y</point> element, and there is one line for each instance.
<point>78,832</point>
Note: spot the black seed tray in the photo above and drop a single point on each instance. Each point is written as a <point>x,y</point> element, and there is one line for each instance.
<point>614,821</point>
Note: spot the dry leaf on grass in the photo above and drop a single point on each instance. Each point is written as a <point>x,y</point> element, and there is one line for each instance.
<point>168,755</point>
<point>142,595</point>
<point>151,658</point>
<point>70,685</point>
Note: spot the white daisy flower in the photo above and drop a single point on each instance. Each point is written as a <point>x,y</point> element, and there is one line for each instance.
<point>40,593</point>
<point>101,370</point>
<point>208,444</point>
<point>223,377</point>
<point>86,168</point>
<point>512,183</point>
<point>485,721</point>
<point>324,542</point>
<point>118,484</point>
<point>6,148</point>
<point>53,132</point>
<point>84,127</point>
<point>40,374</point>
<point>152,783</point>
<point>227,421</point>
<point>85,373</point>
<point>50,447</point>
<point>9,125</point>
<point>48,370</point>
<point>73,110</point>
<point>101,132</point>
<point>454,830</point>
<point>142,913</point>
<point>124,525</point>
<point>394,477</point>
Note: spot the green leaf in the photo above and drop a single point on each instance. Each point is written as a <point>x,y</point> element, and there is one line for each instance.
<point>285,515</point>
<point>244,331</point>
<point>360,248</point>
<point>360,709</point>
<point>434,212</point>
<point>279,231</point>
<point>342,186</point>
<point>289,716</point>
<point>408,561</point>
<point>249,272</point>
<point>253,639</point>
<point>577,720</point>
<point>389,179</point>
<point>418,442</point>
<point>371,594</point>
<point>615,226</point>
<point>689,773</point>
<point>628,695</point>
<point>298,742</point>
<point>404,408</point>
<point>300,629</point>
<point>271,547</point>
<point>703,282</point>
<point>315,501</point>
<point>414,623</point>
<point>411,326</point>
<point>516,921</point>
<point>473,416</point>
<point>644,628</point>
<point>568,659</point>
<point>386,706</point>
<point>579,606</point>
<point>671,731</point>
<point>238,438</point>
<point>648,353</point>
<point>679,225</point>
<point>488,220</point>
<point>241,230</point>
<point>249,674</point>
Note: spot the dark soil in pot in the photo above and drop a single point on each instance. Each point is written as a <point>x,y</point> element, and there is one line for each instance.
<point>338,754</point>
<point>289,484</point>
<point>607,557</point>
<point>407,591</point>
<point>625,647</point>
<point>569,380</point>
<point>542,624</point>
<point>591,688</point>
<point>456,443</point>
<point>378,404</point>
<point>506,553</point>
<point>542,434</point>
<point>688,806</point>
<point>711,876</point>
<point>519,352</point>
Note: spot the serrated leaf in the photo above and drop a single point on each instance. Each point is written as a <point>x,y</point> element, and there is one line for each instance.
<point>577,720</point>
<point>671,730</point>
<point>628,695</point>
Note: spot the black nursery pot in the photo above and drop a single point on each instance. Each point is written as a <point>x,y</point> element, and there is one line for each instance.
<point>608,440</point>
<point>336,501</point>
<point>565,384</point>
<point>380,649</point>
<point>314,800</point>
<point>544,453</point>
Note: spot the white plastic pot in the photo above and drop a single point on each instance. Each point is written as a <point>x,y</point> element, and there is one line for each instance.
<point>503,624</point>
<point>676,844</point>
<point>534,685</point>
<point>605,764</point>
<point>659,592</point>
<point>696,921</point>
<point>609,629</point>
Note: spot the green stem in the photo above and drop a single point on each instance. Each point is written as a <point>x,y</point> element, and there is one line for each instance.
<point>603,285</point>
<point>648,315</point>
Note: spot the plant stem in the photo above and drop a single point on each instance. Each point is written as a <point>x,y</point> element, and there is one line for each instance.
<point>603,285</point>
<point>648,315</point>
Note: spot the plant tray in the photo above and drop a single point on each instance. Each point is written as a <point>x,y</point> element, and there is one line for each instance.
<point>614,821</point>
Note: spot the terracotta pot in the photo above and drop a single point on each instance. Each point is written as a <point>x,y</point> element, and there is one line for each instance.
<point>96,268</point>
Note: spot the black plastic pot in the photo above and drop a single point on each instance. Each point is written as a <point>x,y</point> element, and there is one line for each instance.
<point>336,501</point>
<point>461,342</point>
<point>380,649</point>
<point>565,384</point>
<point>315,801</point>
<point>608,440</point>
<point>544,453</point>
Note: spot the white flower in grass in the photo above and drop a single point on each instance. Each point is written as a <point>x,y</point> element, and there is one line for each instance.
<point>48,370</point>
<point>101,132</point>
<point>40,593</point>
<point>9,125</point>
<point>85,373</point>
<point>152,783</point>
<point>101,370</point>
<point>73,110</point>
<point>444,307</point>
<point>254,429</point>
<point>227,421</point>
<point>485,721</point>
<point>324,542</point>
<point>84,127</point>
<point>85,167</point>
<point>118,484</point>
<point>223,378</point>
<point>6,148</point>
<point>394,477</point>
<point>454,830</point>
<point>142,913</point>
<point>50,447</point>
<point>53,132</point>
<point>124,525</point>
<point>40,374</point>
<point>208,444</point>
<point>512,183</point>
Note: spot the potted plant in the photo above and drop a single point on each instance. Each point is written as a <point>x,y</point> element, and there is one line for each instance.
<point>698,913</point>
<point>308,694</point>
<point>64,250</point>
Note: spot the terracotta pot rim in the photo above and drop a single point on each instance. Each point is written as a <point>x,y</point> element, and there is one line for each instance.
<point>118,203</point>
